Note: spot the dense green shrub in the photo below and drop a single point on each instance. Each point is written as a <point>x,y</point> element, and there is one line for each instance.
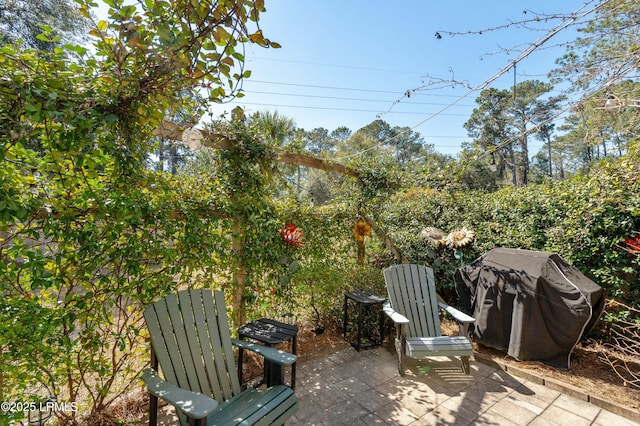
<point>584,219</point>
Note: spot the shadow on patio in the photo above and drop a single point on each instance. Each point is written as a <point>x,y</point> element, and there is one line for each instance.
<point>364,388</point>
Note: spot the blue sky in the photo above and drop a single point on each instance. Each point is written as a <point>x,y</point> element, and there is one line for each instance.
<point>347,62</point>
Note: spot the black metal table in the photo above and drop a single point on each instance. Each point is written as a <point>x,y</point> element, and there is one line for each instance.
<point>270,332</point>
<point>366,303</point>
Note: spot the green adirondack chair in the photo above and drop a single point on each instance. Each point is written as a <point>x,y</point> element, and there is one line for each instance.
<point>191,342</point>
<point>413,307</point>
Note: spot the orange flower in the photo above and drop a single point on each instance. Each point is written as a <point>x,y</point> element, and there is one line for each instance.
<point>360,230</point>
<point>292,235</point>
<point>633,244</point>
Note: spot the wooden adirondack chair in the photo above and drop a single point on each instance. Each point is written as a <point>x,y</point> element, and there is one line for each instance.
<point>413,307</point>
<point>190,340</point>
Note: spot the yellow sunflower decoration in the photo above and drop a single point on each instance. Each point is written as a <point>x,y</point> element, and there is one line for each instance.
<point>459,238</point>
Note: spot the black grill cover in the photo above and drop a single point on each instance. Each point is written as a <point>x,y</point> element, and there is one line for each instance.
<point>533,305</point>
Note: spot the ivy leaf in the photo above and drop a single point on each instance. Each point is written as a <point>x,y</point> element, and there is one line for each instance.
<point>284,279</point>
<point>294,266</point>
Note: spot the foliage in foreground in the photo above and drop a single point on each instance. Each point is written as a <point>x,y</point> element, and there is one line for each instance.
<point>88,235</point>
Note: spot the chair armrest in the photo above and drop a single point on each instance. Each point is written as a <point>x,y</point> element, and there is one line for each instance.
<point>270,354</point>
<point>458,315</point>
<point>193,404</point>
<point>395,316</point>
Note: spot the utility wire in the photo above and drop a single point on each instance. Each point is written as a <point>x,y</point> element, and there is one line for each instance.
<point>343,109</point>
<point>575,16</point>
<point>340,98</point>
<point>354,89</point>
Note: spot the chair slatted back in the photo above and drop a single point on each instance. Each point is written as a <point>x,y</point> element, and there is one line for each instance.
<point>191,340</point>
<point>412,293</point>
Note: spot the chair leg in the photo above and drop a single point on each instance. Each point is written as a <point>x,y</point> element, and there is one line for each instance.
<point>153,400</point>
<point>465,365</point>
<point>401,348</point>
<point>153,410</point>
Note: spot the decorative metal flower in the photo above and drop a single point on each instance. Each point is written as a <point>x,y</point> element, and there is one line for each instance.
<point>360,230</point>
<point>632,244</point>
<point>292,235</point>
<point>459,238</point>
<point>434,236</point>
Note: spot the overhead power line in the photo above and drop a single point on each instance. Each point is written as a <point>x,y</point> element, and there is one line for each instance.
<point>354,89</point>
<point>342,98</point>
<point>357,67</point>
<point>573,17</point>
<point>339,109</point>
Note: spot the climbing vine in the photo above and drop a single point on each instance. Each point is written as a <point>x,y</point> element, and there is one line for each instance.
<point>88,235</point>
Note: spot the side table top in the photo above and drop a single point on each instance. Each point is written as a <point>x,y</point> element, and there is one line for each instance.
<point>268,331</point>
<point>365,297</point>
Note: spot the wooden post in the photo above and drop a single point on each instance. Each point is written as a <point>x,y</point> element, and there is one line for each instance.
<point>239,273</point>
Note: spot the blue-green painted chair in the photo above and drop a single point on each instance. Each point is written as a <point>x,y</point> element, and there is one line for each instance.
<point>192,345</point>
<point>413,307</point>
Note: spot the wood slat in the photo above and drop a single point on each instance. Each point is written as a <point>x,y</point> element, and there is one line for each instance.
<point>159,343</point>
<point>256,407</point>
<point>189,302</point>
<point>278,403</point>
<point>414,284</point>
<point>225,336</point>
<point>192,382</point>
<point>439,346</point>
<point>286,409</point>
<point>208,348</point>
<point>428,297</point>
<point>174,360</point>
<point>223,373</point>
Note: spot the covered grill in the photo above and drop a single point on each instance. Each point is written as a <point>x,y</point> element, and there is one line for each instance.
<point>533,305</point>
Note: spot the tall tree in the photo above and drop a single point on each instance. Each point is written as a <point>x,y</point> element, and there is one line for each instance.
<point>275,126</point>
<point>281,132</point>
<point>528,109</point>
<point>504,120</point>
<point>316,140</point>
<point>403,143</point>
<point>488,126</point>
<point>608,52</point>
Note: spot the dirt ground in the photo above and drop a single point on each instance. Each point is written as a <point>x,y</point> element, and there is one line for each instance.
<point>588,372</point>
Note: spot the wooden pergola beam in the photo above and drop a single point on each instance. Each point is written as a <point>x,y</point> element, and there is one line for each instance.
<point>196,139</point>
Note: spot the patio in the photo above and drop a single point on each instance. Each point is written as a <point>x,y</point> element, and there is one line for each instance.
<point>364,388</point>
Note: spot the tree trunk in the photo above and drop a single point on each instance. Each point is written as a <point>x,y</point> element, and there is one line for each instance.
<point>524,144</point>
<point>549,146</point>
<point>173,158</point>
<point>514,168</point>
<point>161,152</point>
